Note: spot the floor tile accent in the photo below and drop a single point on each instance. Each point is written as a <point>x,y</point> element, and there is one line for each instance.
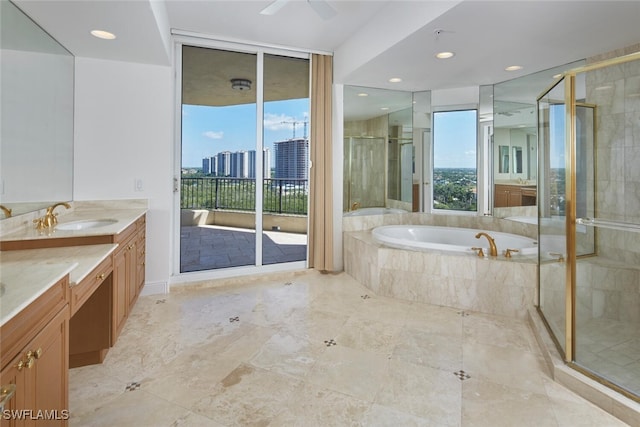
<point>365,296</point>
<point>234,319</point>
<point>463,313</point>
<point>161,301</point>
<point>462,375</point>
<point>330,342</point>
<point>132,386</point>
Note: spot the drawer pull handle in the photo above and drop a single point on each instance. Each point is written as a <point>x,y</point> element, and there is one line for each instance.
<point>100,276</point>
<point>131,246</point>
<point>38,353</point>
<point>30,360</point>
<point>20,365</point>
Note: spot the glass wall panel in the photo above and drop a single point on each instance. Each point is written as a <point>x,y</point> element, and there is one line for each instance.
<point>217,197</point>
<point>551,210</point>
<point>285,159</point>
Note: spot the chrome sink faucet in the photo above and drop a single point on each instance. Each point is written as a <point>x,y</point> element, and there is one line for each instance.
<point>493,251</point>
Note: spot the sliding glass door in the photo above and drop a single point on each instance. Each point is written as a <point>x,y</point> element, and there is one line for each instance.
<point>244,158</point>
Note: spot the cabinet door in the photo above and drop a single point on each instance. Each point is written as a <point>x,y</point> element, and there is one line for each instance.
<point>14,375</point>
<point>500,197</point>
<point>515,197</point>
<point>40,373</point>
<point>132,272</point>
<point>49,373</point>
<point>120,278</point>
<point>140,260</point>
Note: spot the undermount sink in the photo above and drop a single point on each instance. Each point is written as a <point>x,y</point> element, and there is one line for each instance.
<point>85,224</point>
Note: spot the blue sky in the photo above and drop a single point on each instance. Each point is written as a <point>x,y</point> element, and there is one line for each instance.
<point>455,133</point>
<point>209,130</point>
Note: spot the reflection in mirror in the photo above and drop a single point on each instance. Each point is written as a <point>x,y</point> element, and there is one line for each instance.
<point>517,159</point>
<point>36,141</point>
<point>515,142</point>
<point>503,167</point>
<point>377,169</point>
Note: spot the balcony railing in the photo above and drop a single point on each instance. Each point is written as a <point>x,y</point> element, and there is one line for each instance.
<point>280,195</point>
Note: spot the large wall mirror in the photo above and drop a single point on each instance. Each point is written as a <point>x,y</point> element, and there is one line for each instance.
<point>36,138</point>
<point>379,156</point>
<point>515,142</point>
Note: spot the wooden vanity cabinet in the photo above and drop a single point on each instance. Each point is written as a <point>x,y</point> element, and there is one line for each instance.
<point>506,196</point>
<point>35,359</point>
<point>128,277</point>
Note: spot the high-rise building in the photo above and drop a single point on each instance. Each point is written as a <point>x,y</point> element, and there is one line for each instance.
<point>266,163</point>
<point>292,158</point>
<point>213,164</point>
<point>224,163</point>
<point>206,166</point>
<point>239,164</point>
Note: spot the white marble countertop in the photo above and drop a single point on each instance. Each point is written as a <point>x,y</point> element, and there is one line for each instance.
<point>123,218</point>
<point>23,284</point>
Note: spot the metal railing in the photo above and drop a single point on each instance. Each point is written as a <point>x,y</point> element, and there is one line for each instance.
<point>280,195</point>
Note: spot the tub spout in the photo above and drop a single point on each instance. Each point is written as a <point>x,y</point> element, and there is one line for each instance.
<point>493,251</point>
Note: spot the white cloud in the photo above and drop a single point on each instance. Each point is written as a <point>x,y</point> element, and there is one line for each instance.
<point>277,121</point>
<point>213,134</point>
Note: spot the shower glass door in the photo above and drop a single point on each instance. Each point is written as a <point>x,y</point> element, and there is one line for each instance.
<point>589,220</point>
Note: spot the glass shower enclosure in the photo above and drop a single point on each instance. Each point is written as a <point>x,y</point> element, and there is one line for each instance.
<point>365,170</point>
<point>589,219</point>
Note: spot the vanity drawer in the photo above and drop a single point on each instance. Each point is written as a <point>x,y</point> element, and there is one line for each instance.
<point>83,290</point>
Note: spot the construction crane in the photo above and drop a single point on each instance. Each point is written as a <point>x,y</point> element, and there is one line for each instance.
<point>294,123</point>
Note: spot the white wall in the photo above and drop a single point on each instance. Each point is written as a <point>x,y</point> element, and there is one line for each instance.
<point>123,132</point>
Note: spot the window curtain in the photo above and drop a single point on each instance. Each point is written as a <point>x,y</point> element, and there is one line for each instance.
<point>321,179</point>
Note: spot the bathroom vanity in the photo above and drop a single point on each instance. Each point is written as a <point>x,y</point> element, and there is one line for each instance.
<point>509,195</point>
<point>66,295</point>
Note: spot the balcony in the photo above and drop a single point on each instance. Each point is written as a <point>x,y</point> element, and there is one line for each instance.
<point>218,222</point>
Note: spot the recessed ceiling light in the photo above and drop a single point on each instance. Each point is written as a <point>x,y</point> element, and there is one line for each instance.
<point>604,87</point>
<point>363,94</point>
<point>101,34</point>
<point>445,55</point>
<point>384,108</point>
<point>557,76</point>
<point>513,68</point>
<point>395,79</point>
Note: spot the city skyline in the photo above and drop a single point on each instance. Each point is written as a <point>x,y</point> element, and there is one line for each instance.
<point>291,160</point>
<point>207,130</point>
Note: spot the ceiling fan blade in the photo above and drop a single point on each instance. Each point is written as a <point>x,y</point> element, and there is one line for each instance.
<point>322,8</point>
<point>274,7</point>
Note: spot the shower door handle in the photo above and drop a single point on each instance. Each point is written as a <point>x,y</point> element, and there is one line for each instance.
<point>426,183</point>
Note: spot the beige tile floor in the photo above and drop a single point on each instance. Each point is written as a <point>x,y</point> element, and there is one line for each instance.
<point>319,350</point>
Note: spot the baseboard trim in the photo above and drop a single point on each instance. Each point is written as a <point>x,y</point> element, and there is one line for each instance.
<point>155,288</point>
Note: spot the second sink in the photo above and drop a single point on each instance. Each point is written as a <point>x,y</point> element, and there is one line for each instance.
<point>85,224</point>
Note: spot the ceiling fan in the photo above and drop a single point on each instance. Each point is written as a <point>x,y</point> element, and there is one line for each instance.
<point>321,7</point>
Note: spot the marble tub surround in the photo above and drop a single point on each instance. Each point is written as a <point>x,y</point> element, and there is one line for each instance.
<point>27,274</point>
<point>490,285</point>
<point>124,212</point>
<point>488,223</point>
<point>320,350</point>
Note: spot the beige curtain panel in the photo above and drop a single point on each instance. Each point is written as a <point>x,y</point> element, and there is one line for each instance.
<point>321,183</point>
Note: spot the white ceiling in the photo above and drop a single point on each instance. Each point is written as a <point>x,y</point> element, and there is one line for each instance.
<point>380,39</point>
